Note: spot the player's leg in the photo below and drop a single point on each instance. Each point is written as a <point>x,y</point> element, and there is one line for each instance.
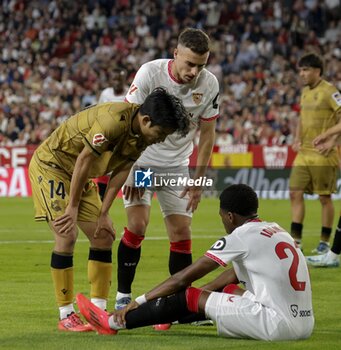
<point>100,251</point>
<point>178,224</point>
<point>324,184</point>
<point>297,215</point>
<point>129,249</point>
<point>50,189</point>
<point>299,182</point>
<point>332,257</point>
<point>179,233</point>
<point>239,316</point>
<point>165,309</point>
<point>327,216</point>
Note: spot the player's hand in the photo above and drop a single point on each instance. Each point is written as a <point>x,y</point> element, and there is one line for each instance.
<point>319,139</point>
<point>66,223</point>
<point>104,227</point>
<point>194,194</point>
<point>130,192</point>
<point>119,316</point>
<point>296,146</point>
<point>326,147</point>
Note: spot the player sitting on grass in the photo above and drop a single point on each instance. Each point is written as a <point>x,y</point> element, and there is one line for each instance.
<point>276,303</point>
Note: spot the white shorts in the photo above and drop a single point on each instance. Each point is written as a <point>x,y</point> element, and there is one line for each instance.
<point>169,200</point>
<point>242,317</point>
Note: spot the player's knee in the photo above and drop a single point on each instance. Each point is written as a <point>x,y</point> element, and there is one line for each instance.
<point>65,244</point>
<point>180,233</point>
<point>103,243</point>
<point>295,195</point>
<point>138,220</point>
<point>325,200</point>
<point>138,226</point>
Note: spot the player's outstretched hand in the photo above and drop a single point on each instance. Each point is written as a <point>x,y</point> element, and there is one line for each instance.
<point>104,227</point>
<point>119,315</point>
<point>66,223</point>
<point>130,192</point>
<point>194,194</point>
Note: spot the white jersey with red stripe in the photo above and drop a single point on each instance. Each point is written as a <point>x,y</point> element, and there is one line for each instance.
<point>271,267</point>
<point>199,98</point>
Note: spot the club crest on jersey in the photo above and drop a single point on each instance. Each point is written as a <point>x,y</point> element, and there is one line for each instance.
<point>197,97</point>
<point>98,140</point>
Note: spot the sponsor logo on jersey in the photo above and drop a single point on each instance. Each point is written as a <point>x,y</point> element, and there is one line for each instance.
<point>337,98</point>
<point>300,313</point>
<point>98,140</point>
<point>197,97</point>
<point>219,245</point>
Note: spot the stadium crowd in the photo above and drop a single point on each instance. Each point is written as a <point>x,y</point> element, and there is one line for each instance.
<point>57,56</point>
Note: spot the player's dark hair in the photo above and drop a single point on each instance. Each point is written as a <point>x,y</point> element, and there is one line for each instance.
<point>195,40</point>
<point>312,60</point>
<point>166,110</point>
<point>240,199</point>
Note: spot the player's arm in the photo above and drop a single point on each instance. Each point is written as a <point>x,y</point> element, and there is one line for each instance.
<point>206,142</point>
<point>227,277</point>
<point>326,141</point>
<point>115,184</point>
<point>67,222</point>
<point>183,278</point>
<point>297,139</point>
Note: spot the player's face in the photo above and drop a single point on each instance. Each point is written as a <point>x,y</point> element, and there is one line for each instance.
<point>187,64</point>
<point>153,134</point>
<point>309,75</point>
<point>118,82</point>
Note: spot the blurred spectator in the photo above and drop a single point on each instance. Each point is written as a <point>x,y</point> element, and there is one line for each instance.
<point>118,89</point>
<point>58,56</point>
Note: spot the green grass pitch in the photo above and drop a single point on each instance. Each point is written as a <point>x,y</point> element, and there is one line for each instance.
<point>28,314</point>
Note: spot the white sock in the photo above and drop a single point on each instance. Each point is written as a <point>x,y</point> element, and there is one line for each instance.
<point>120,295</point>
<point>332,255</point>
<point>113,324</point>
<point>65,311</point>
<point>101,303</point>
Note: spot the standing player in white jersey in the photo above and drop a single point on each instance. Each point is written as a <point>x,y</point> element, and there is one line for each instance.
<point>119,88</point>
<point>276,303</point>
<point>186,77</point>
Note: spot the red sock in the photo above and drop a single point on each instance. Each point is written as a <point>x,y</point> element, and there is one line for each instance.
<point>184,247</point>
<point>230,288</point>
<point>132,240</point>
<point>192,298</point>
